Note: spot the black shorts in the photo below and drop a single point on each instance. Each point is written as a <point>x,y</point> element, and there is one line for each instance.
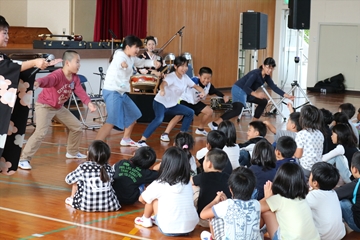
<point>196,107</point>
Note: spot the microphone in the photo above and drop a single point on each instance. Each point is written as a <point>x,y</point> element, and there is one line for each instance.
<point>181,30</point>
<point>49,58</point>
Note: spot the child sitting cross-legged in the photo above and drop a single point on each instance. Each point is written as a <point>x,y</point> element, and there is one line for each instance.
<point>211,181</point>
<point>324,202</point>
<point>131,175</point>
<point>169,197</point>
<point>237,217</point>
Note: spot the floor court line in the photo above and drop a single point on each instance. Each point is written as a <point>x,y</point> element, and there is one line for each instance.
<point>72,223</point>
<point>133,231</point>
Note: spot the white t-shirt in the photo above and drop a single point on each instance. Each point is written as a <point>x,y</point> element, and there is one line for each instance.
<point>241,218</point>
<point>294,217</point>
<point>193,164</point>
<point>191,95</point>
<point>175,87</point>
<point>176,210</point>
<point>117,78</point>
<point>312,144</point>
<point>326,212</point>
<point>233,154</point>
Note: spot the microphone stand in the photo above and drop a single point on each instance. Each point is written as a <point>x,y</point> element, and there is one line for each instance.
<point>112,40</point>
<point>172,38</point>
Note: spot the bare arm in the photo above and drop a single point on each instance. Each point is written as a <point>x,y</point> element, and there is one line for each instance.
<point>298,153</point>
<point>271,127</point>
<point>207,211</point>
<point>200,89</point>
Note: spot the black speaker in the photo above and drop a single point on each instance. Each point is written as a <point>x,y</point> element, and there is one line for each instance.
<point>299,14</point>
<point>254,34</point>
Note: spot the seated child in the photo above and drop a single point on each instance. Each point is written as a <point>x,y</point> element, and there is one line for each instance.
<point>349,111</point>
<point>328,119</point>
<point>324,202</point>
<point>91,182</point>
<point>284,151</point>
<point>169,197</point>
<point>231,148</point>
<point>292,125</point>
<point>285,201</point>
<point>236,216</point>
<point>185,142</point>
<point>263,165</point>
<point>215,139</point>
<point>349,196</point>
<point>131,175</point>
<point>212,180</point>
<point>256,132</point>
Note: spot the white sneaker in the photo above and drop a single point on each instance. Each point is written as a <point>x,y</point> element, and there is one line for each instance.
<point>211,126</point>
<point>143,222</point>
<point>205,235</point>
<point>24,164</point>
<point>69,201</point>
<point>129,142</point>
<point>78,155</point>
<point>141,143</point>
<point>199,132</point>
<point>165,138</point>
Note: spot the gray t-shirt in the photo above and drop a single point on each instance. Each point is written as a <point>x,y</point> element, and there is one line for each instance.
<point>280,133</point>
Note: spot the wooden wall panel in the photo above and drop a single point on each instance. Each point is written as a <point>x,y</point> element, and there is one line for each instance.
<point>211,31</point>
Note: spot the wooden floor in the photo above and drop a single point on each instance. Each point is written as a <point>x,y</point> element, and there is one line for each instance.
<point>32,202</point>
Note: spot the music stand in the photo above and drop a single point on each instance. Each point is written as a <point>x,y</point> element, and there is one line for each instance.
<point>113,36</point>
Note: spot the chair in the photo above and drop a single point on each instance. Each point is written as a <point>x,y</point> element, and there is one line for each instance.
<point>250,108</point>
<point>98,101</point>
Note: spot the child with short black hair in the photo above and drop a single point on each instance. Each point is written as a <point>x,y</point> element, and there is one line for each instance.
<point>212,180</point>
<point>284,151</point>
<point>131,175</point>
<point>285,199</point>
<point>57,89</point>
<point>256,132</point>
<point>349,196</point>
<point>91,182</point>
<point>292,125</point>
<point>169,197</point>
<point>215,139</point>
<point>324,202</point>
<point>229,214</point>
<point>263,165</point>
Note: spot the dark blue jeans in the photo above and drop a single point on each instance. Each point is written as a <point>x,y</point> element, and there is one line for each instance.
<point>160,110</point>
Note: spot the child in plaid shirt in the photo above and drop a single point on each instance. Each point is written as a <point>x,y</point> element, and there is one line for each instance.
<point>91,182</point>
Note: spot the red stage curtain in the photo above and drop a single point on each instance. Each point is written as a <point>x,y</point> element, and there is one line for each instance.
<point>108,16</point>
<point>134,17</point>
<point>123,17</point>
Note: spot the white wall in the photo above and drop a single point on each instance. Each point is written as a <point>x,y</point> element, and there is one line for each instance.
<point>14,11</point>
<point>322,12</point>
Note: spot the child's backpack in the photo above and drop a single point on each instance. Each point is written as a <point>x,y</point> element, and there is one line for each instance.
<point>333,84</point>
